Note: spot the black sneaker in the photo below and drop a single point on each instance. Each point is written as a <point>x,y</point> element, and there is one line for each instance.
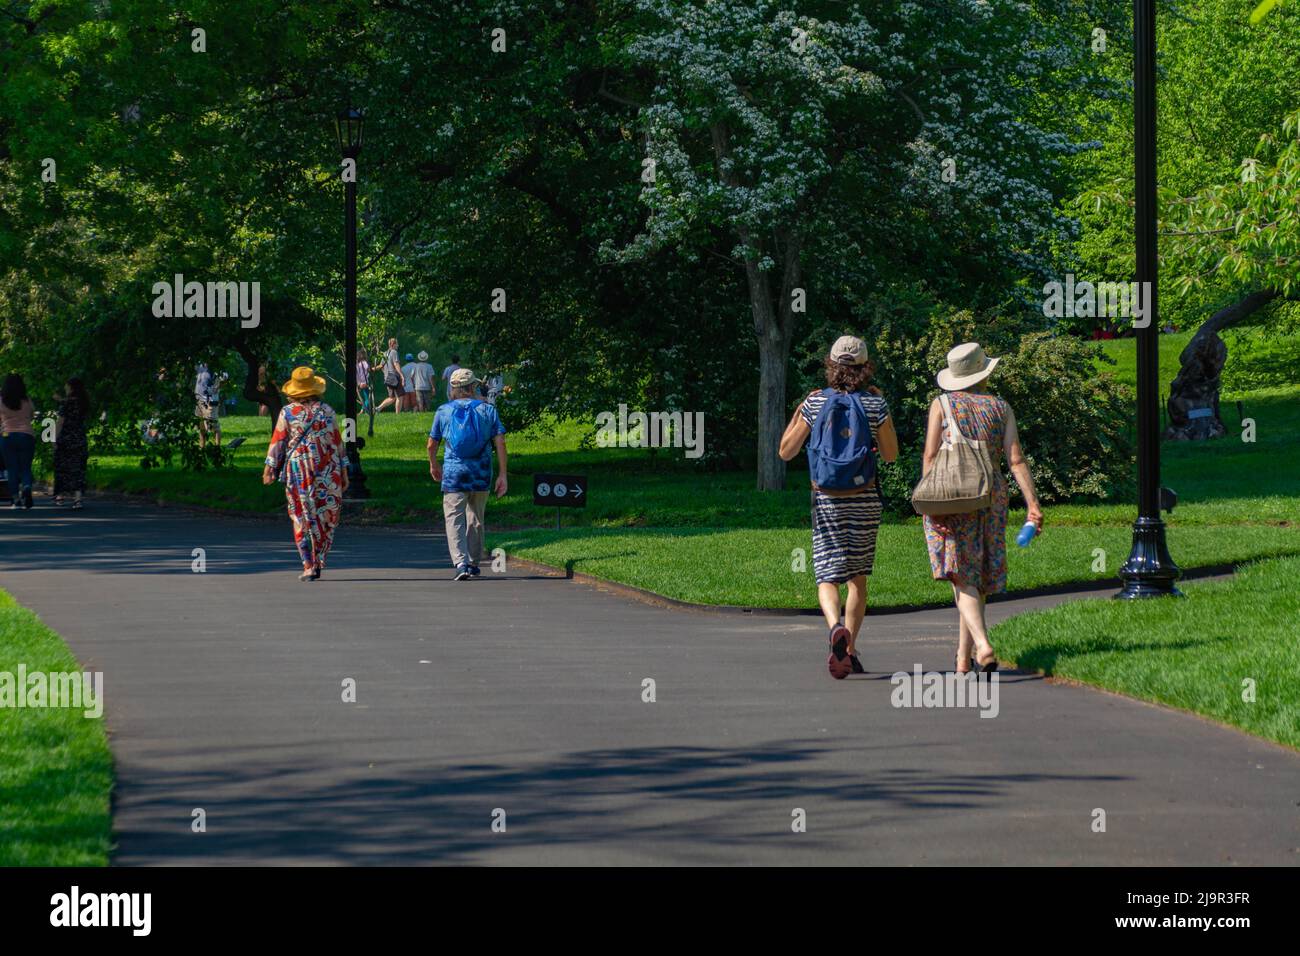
<point>462,573</point>
<point>473,570</point>
<point>856,664</point>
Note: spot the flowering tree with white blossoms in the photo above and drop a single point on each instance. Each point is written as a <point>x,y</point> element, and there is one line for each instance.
<point>804,130</point>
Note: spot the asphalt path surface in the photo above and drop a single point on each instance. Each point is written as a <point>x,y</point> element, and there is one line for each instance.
<point>519,698</point>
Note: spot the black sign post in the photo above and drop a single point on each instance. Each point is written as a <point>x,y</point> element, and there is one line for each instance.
<point>560,491</point>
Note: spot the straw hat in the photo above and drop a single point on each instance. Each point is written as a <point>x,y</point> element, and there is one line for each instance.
<point>303,383</point>
<point>967,365</point>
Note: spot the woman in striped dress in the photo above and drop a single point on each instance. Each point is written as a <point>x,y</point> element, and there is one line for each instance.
<point>970,550</point>
<point>844,522</point>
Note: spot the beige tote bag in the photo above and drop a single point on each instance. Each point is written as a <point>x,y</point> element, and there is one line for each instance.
<point>961,478</point>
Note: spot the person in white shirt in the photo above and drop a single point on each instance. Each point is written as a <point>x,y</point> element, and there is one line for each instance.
<point>422,381</point>
<point>408,395</point>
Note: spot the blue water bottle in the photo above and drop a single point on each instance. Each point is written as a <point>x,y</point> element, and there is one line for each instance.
<point>1026,534</point>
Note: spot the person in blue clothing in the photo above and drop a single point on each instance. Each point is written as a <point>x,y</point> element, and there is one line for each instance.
<point>469,428</point>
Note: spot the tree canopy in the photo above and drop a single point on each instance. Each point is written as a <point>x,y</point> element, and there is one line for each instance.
<point>665,202</point>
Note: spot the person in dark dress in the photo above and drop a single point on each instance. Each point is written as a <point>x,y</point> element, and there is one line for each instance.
<point>71,449</point>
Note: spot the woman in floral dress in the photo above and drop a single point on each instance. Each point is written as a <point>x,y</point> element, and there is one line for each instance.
<point>970,550</point>
<point>308,444</point>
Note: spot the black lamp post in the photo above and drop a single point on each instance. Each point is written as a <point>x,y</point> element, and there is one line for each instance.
<point>1149,570</point>
<point>349,127</point>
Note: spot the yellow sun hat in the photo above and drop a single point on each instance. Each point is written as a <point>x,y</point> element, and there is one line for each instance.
<point>303,383</point>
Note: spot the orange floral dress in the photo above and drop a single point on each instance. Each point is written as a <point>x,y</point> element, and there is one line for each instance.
<point>971,548</point>
<point>313,475</point>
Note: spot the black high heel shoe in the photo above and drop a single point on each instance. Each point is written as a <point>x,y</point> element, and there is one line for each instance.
<point>989,668</point>
<point>970,665</point>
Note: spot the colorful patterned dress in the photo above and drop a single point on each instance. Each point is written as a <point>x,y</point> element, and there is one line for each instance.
<point>313,475</point>
<point>971,548</point>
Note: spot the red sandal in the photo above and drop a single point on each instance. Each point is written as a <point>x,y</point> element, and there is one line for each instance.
<point>839,663</point>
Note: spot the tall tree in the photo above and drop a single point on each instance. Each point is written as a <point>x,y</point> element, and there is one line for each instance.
<point>760,115</point>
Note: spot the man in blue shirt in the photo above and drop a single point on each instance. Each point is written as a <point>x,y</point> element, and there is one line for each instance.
<point>470,428</point>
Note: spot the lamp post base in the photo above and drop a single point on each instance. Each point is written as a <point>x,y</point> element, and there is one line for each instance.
<point>1149,570</point>
<point>357,490</point>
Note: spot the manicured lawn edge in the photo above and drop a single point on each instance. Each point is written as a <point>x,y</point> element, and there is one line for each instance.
<point>56,769</point>
<point>753,569</point>
<point>659,600</point>
<point>1224,653</point>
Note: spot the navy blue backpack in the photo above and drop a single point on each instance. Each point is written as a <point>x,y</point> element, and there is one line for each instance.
<point>839,451</point>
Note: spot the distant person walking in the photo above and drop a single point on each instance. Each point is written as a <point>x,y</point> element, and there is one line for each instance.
<point>845,421</point>
<point>207,405</point>
<point>449,371</point>
<point>969,550</point>
<point>408,386</point>
<point>422,382</point>
<point>393,380</point>
<point>470,428</point>
<point>71,449</point>
<point>306,452</point>
<point>365,393</point>
<point>16,415</point>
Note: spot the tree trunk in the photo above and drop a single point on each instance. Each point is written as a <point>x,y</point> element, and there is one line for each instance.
<point>1194,395</point>
<point>774,330</point>
<point>773,325</point>
<point>257,387</point>
<point>773,357</point>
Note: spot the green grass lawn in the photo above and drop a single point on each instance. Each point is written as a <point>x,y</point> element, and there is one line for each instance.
<point>753,566</point>
<point>1124,352</point>
<point>1228,481</point>
<point>55,768</point>
<point>1196,653</point>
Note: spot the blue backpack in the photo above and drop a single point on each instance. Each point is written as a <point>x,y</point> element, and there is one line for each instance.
<point>839,451</point>
<point>467,432</point>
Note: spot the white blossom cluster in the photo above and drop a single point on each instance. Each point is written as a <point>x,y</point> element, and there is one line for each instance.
<point>756,107</point>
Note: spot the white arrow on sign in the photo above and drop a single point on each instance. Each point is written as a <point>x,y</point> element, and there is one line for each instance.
<point>577,491</point>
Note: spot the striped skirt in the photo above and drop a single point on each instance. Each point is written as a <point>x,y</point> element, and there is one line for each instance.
<point>844,535</point>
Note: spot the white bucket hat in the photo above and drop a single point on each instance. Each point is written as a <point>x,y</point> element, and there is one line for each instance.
<point>967,365</point>
<point>423,356</point>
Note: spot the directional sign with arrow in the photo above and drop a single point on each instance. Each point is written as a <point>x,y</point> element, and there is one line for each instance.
<point>560,491</point>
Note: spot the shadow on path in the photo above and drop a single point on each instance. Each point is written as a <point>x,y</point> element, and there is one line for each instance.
<point>614,798</point>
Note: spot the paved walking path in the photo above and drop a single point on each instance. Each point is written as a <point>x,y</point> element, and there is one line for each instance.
<point>524,693</point>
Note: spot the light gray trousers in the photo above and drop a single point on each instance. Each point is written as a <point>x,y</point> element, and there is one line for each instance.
<point>463,511</point>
